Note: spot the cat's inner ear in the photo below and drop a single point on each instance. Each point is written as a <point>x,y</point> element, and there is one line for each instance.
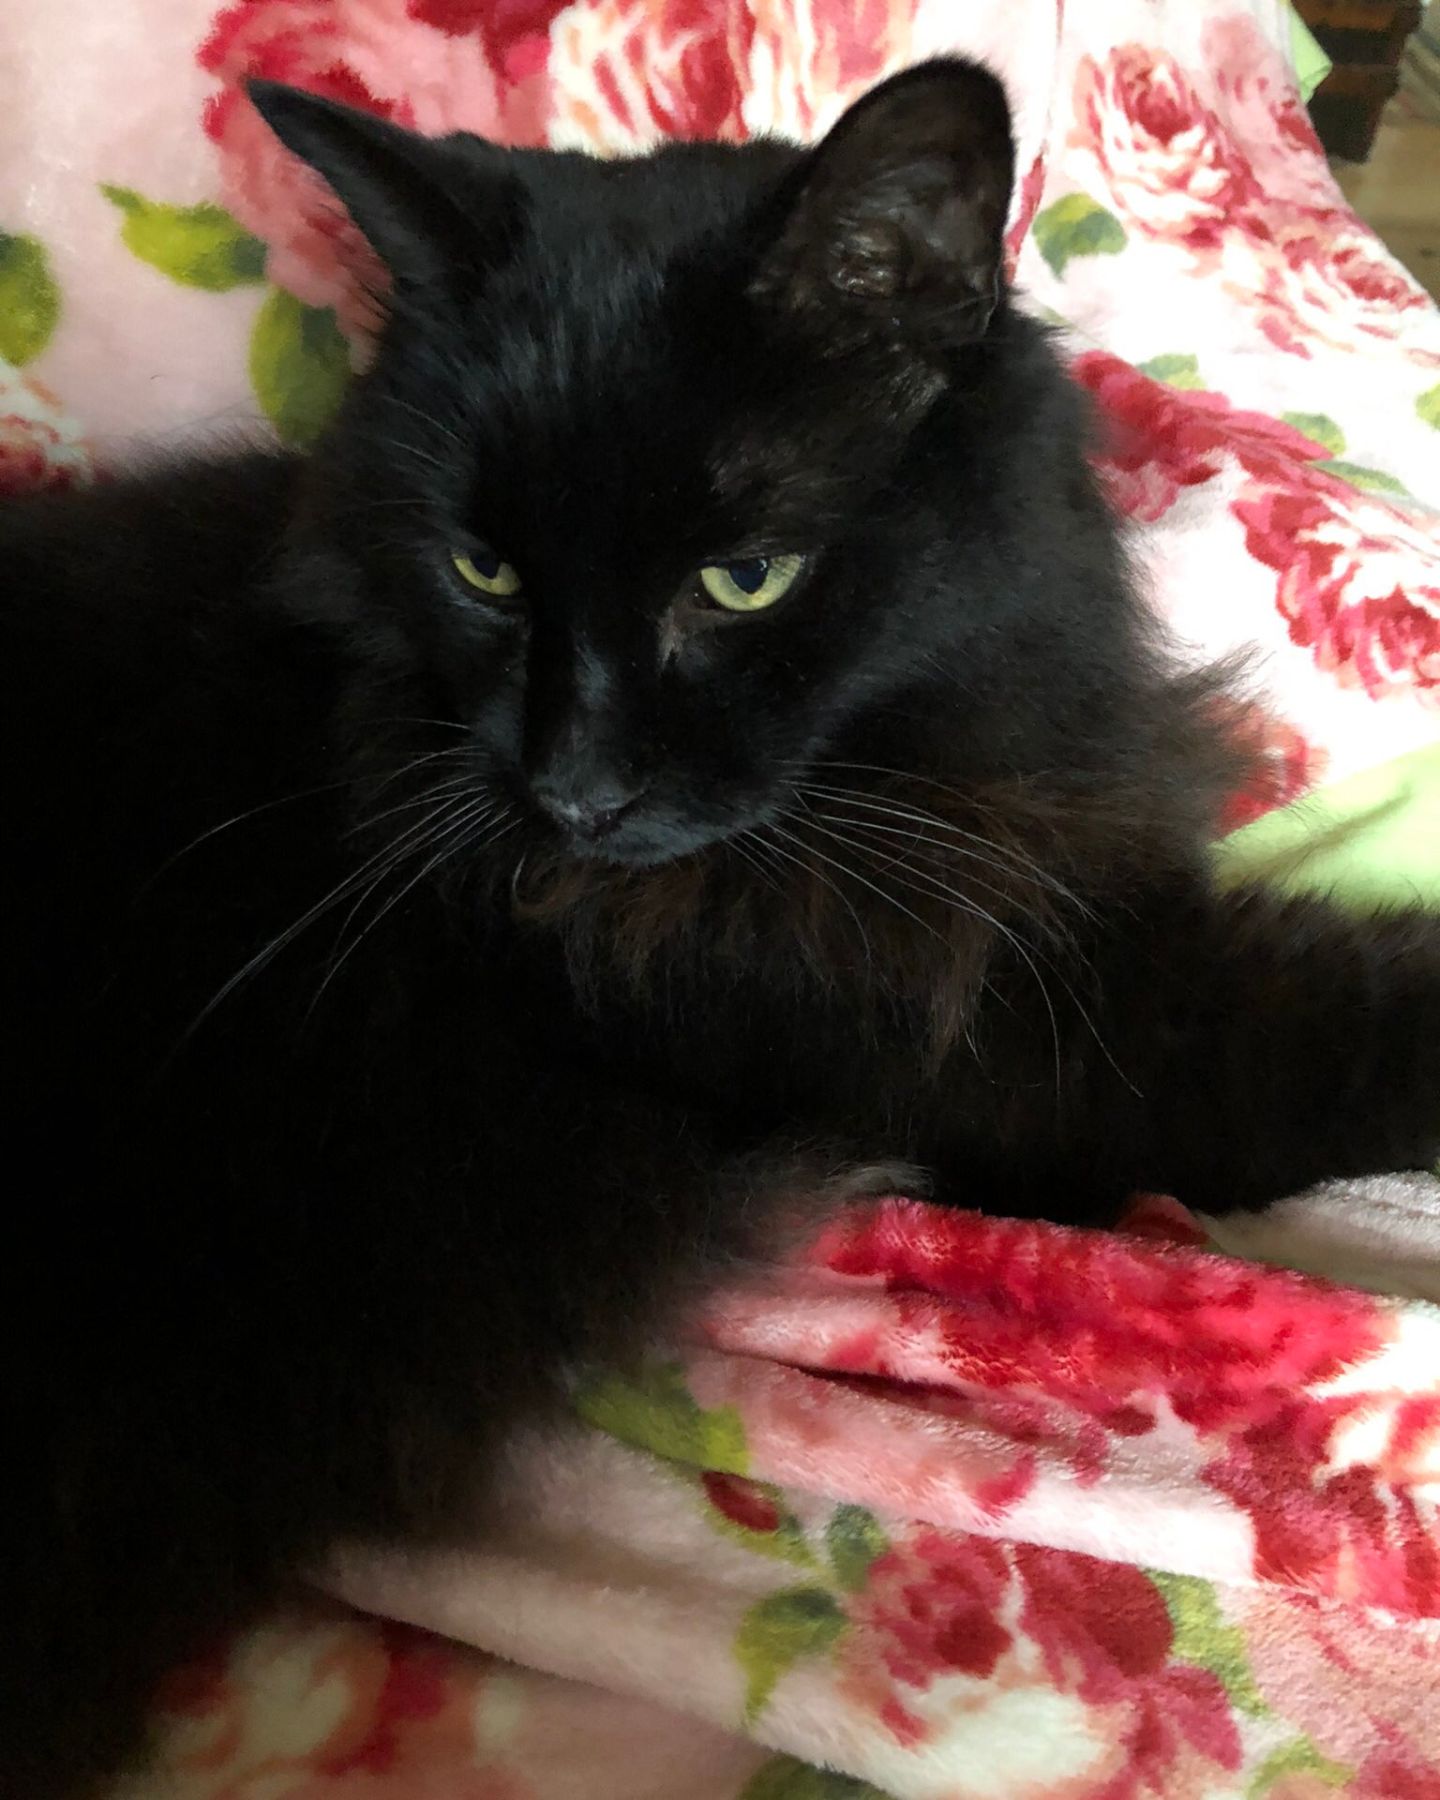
<point>898,215</point>
<point>428,207</point>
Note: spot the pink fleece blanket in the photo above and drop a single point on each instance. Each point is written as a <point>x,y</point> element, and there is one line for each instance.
<point>952,1509</point>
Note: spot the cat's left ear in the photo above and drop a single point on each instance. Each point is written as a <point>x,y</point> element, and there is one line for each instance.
<point>897,217</point>
<point>426,206</point>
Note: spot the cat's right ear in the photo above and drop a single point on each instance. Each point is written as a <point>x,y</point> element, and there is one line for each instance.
<point>426,206</point>
<point>895,221</point>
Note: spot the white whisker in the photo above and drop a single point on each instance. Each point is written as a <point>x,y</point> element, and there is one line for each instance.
<point>479,813</point>
<point>940,890</point>
<point>410,841</point>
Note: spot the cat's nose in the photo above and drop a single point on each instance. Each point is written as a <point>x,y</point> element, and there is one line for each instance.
<point>588,812</point>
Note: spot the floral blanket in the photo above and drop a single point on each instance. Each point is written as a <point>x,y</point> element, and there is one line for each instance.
<point>952,1509</point>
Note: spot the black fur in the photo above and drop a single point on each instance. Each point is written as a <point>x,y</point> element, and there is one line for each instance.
<point>351,1098</point>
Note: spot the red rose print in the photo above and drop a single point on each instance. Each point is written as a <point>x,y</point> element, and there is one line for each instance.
<point>417,1681</point>
<point>626,71</point>
<point>1101,1625</point>
<point>1322,279</point>
<point>1234,176</point>
<point>1106,1635</point>
<point>27,456</point>
<point>943,1605</point>
<point>1341,1531</point>
<point>1121,1333</point>
<point>455,16</point>
<point>1397,1772</point>
<point>929,1607</point>
<point>741,1501</point>
<point>515,33</point>
<point>1024,207</point>
<point>1154,146</point>
<point>1358,577</point>
<point>1257,97</point>
<point>1159,440</point>
<point>1099,1324</point>
<point>40,447</point>
<point>1358,580</point>
<point>438,65</point>
<point>1343,1675</point>
<point>1285,764</point>
<point>310,1706</point>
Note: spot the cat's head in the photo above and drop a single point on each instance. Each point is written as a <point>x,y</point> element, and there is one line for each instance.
<point>687,483</point>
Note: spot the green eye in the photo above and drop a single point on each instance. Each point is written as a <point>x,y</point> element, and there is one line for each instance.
<point>751,585</point>
<point>483,569</point>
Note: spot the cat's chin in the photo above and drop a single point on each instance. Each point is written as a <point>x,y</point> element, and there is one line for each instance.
<point>630,850</point>
<point>642,852</point>
<point>643,844</point>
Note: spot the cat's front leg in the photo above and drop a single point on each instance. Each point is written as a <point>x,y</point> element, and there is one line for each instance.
<point>1227,1048</point>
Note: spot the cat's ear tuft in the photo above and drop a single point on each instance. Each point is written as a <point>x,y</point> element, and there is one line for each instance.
<point>898,215</point>
<point>426,206</point>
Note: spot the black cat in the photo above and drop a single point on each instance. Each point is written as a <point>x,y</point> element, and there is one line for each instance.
<point>686,736</point>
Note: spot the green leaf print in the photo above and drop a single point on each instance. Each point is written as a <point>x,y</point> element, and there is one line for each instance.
<point>1428,406</point>
<point>1370,481</point>
<point>299,365</point>
<point>785,1778</point>
<point>1297,1758</point>
<point>1319,429</point>
<point>198,246</point>
<point>1203,1638</point>
<point>657,1412</point>
<point>854,1539</point>
<point>1076,226</point>
<point>1175,371</point>
<point>29,298</point>
<point>777,1631</point>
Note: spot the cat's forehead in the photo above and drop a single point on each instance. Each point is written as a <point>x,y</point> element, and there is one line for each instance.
<point>637,422</point>
<point>625,363</point>
<point>662,201</point>
<point>628,272</point>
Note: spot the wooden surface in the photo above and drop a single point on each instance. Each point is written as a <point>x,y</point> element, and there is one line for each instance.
<point>1397,191</point>
<point>1364,39</point>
